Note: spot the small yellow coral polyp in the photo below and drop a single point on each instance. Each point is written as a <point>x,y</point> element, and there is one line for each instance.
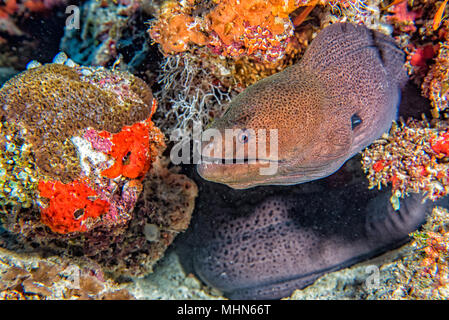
<point>132,150</point>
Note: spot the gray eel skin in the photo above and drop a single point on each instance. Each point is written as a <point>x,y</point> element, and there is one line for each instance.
<point>267,243</point>
<point>341,96</point>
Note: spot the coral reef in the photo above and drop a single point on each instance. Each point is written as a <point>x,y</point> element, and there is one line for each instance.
<point>436,83</point>
<point>233,28</point>
<point>367,12</point>
<point>196,85</point>
<point>415,28</point>
<point>18,181</point>
<point>88,168</point>
<point>165,205</point>
<point>33,278</point>
<point>89,182</point>
<point>78,143</point>
<point>230,28</point>
<point>247,71</point>
<point>418,270</point>
<point>70,206</point>
<point>190,96</point>
<point>209,59</point>
<point>11,9</point>
<point>427,275</point>
<point>402,18</point>
<point>24,26</point>
<point>412,158</point>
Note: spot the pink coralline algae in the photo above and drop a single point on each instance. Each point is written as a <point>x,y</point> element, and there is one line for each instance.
<point>98,143</point>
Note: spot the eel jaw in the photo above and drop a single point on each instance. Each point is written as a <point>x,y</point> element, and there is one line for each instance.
<point>246,175</point>
<point>237,173</point>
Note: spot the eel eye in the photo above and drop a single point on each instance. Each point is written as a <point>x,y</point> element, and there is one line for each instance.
<point>243,136</point>
<point>355,121</point>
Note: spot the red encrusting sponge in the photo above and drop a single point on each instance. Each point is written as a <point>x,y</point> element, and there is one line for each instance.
<point>70,205</point>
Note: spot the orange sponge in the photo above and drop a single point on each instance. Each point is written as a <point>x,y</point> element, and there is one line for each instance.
<point>71,205</point>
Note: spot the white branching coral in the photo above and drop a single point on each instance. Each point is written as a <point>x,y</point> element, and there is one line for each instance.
<point>190,96</point>
<point>341,7</point>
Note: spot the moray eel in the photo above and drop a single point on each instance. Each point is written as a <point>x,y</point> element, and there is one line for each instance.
<point>265,243</point>
<point>338,99</point>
